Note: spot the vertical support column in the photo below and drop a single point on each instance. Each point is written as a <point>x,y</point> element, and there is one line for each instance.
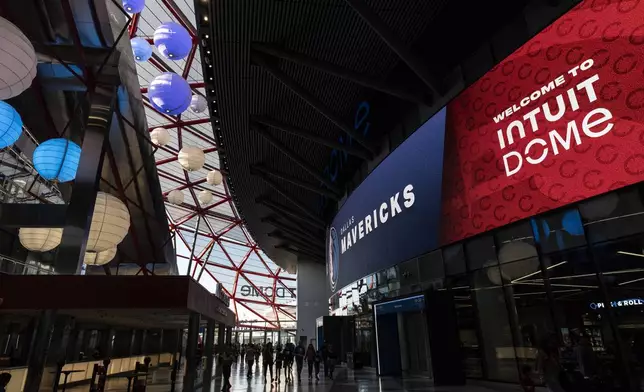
<point>265,336</point>
<point>191,353</point>
<point>221,335</point>
<point>210,357</point>
<point>38,350</point>
<point>176,359</point>
<point>312,298</point>
<point>71,250</point>
<point>229,335</point>
<point>250,335</point>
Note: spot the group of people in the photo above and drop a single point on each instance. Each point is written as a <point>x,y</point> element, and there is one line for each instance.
<point>279,358</point>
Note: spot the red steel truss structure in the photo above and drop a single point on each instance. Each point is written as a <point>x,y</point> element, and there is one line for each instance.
<point>211,242</point>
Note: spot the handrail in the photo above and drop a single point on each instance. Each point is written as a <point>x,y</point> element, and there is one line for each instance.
<point>17,267</point>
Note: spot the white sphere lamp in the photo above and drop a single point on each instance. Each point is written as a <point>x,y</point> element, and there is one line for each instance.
<point>205,197</point>
<point>160,136</point>
<point>214,177</point>
<point>175,197</point>
<point>198,104</point>
<point>40,239</point>
<point>110,223</point>
<point>99,258</point>
<point>17,62</point>
<point>192,158</point>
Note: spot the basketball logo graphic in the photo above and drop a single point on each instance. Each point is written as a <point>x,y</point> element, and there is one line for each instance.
<point>333,257</point>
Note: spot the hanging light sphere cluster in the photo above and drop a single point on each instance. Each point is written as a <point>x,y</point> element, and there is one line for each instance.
<point>17,62</point>
<point>198,104</point>
<point>99,258</point>
<point>10,125</point>
<point>191,158</point>
<point>214,177</point>
<point>141,49</point>
<point>175,197</point>
<point>169,93</point>
<point>205,197</point>
<point>133,6</point>
<point>40,239</point>
<point>57,159</point>
<point>160,136</point>
<point>110,223</point>
<point>172,40</point>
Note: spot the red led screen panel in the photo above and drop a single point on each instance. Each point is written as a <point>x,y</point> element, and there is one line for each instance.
<point>558,121</point>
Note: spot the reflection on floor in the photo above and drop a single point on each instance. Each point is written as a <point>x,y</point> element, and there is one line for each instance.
<point>345,381</point>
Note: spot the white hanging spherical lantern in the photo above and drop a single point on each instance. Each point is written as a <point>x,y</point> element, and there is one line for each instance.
<point>191,158</point>
<point>40,239</point>
<point>205,197</point>
<point>175,197</point>
<point>160,136</point>
<point>214,177</point>
<point>17,62</point>
<point>110,223</point>
<point>198,104</point>
<point>99,258</point>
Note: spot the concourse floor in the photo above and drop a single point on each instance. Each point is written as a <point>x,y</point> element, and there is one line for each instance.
<point>345,381</point>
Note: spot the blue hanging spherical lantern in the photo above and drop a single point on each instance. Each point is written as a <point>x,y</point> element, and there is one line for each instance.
<point>134,6</point>
<point>10,125</point>
<point>172,40</point>
<point>57,160</point>
<point>141,49</point>
<point>169,93</point>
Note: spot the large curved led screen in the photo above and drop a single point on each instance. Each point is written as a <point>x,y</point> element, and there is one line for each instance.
<point>559,121</point>
<point>393,214</point>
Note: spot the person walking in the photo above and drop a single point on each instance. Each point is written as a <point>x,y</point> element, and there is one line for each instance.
<point>325,358</point>
<point>299,360</point>
<point>310,359</point>
<point>318,360</point>
<point>242,352</point>
<point>267,358</point>
<point>279,362</point>
<point>332,358</point>
<point>226,357</point>
<point>250,358</point>
<point>288,362</point>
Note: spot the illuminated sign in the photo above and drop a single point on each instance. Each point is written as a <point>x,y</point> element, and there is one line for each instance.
<point>618,304</point>
<point>280,292</point>
<point>556,122</point>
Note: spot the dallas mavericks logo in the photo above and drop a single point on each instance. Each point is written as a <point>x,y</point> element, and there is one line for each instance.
<point>333,257</point>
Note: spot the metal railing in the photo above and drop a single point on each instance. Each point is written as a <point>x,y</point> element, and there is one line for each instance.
<point>11,266</point>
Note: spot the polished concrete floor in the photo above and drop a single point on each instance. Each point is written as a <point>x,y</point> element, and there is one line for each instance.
<point>345,381</point>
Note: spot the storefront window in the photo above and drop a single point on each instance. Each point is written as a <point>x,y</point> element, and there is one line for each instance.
<point>454,259</point>
<point>468,330</point>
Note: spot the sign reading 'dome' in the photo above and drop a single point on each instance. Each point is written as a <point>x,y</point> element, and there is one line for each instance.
<point>280,292</point>
<point>393,215</point>
<point>556,122</point>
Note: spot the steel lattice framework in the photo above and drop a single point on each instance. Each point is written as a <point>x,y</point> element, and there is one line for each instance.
<point>210,239</point>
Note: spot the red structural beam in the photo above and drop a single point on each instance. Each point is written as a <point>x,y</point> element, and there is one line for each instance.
<point>181,123</point>
<point>144,90</point>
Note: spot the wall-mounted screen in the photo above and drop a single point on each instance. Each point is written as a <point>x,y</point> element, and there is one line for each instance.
<point>394,214</point>
<point>558,121</point>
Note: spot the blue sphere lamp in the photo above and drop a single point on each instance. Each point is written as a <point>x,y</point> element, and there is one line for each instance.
<point>169,93</point>
<point>172,40</point>
<point>57,160</point>
<point>141,49</point>
<point>134,6</point>
<point>10,125</point>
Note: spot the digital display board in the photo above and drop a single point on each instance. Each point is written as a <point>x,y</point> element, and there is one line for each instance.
<point>558,121</point>
<point>394,214</point>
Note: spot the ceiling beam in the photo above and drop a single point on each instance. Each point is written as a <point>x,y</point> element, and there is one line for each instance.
<point>395,43</point>
<point>297,159</point>
<point>305,236</point>
<point>254,169</point>
<point>297,243</point>
<point>341,72</point>
<point>302,253</point>
<point>334,144</point>
<point>290,198</point>
<point>313,101</point>
<point>288,213</point>
<point>32,215</point>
